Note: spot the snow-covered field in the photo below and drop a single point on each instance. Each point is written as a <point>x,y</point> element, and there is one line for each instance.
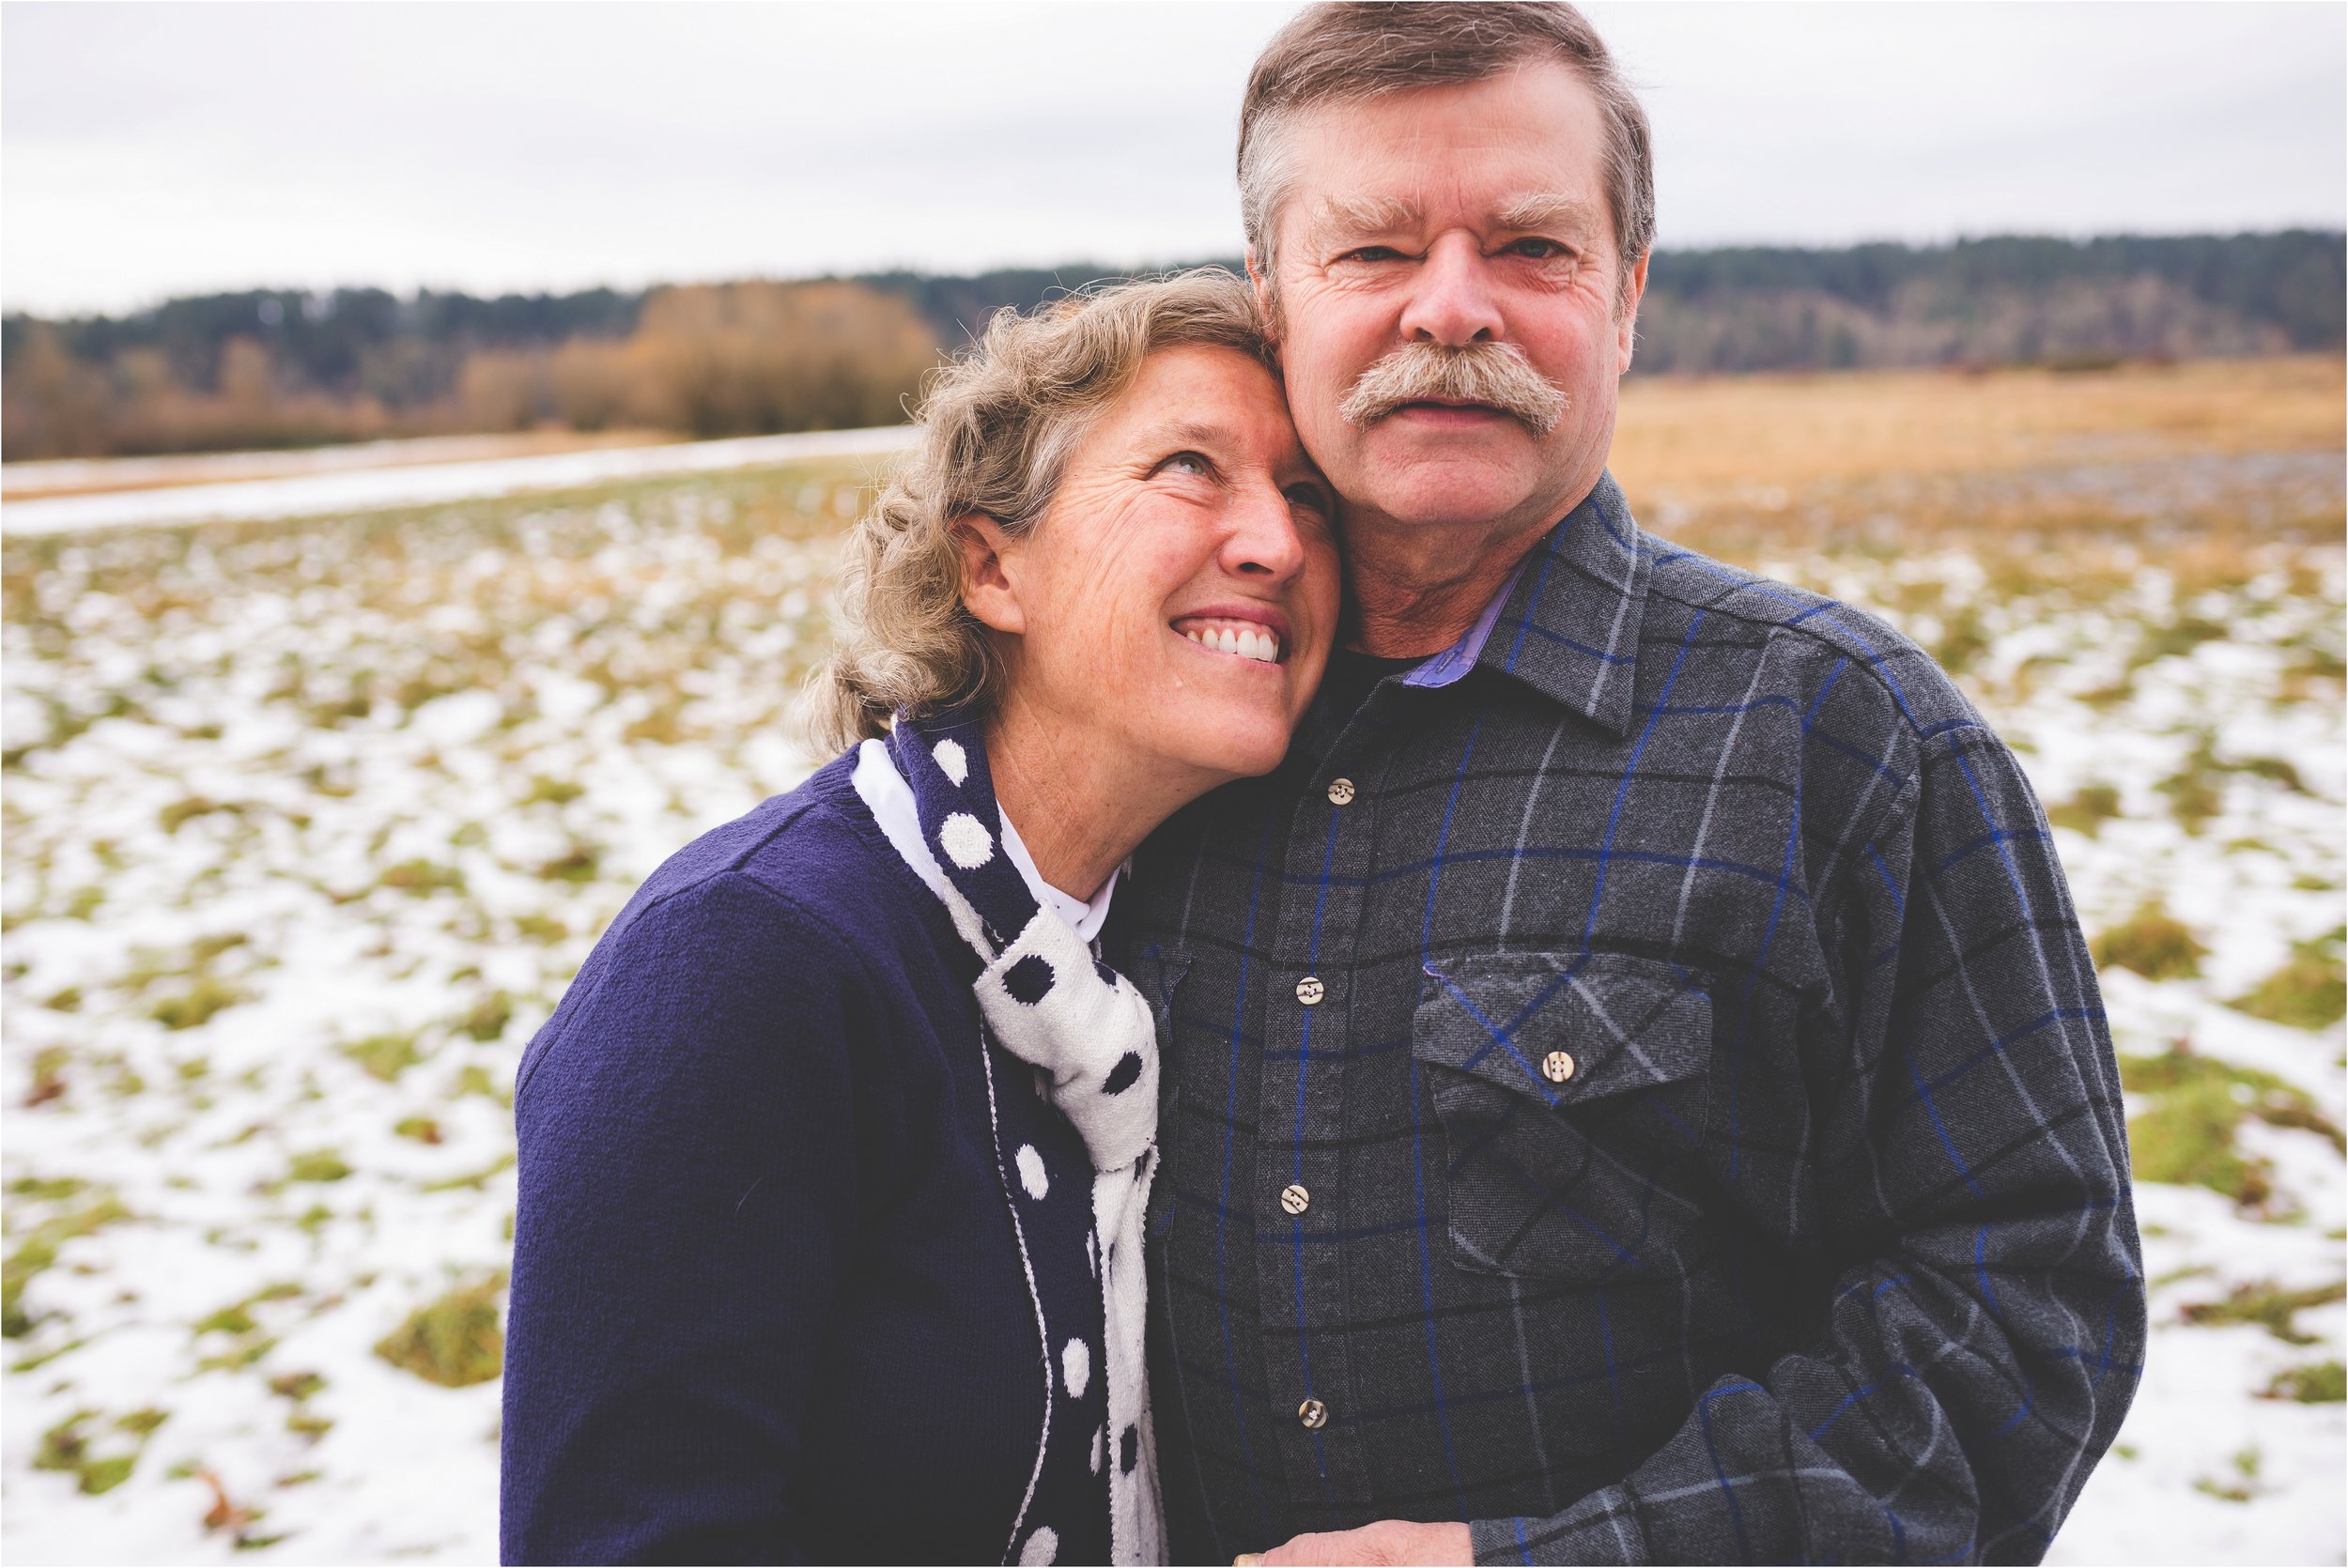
<point>307,825</point>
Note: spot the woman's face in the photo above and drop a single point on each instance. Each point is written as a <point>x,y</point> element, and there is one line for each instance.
<point>1178,596</point>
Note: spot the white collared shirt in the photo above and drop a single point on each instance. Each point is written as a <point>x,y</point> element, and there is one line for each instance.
<point>889,798</point>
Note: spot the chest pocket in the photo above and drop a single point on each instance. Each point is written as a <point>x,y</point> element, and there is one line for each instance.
<point>1572,1091</point>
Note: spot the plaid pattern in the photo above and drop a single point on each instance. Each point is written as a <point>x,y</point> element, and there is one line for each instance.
<point>1709,1140</point>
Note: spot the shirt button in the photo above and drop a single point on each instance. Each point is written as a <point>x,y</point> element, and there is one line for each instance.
<point>1340,792</point>
<point>1295,1199</point>
<point>1314,1414</point>
<point>1309,990</point>
<point>1557,1066</point>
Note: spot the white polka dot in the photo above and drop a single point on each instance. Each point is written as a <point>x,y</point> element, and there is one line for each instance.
<point>1099,1441</point>
<point>1031,1175</point>
<point>1041,1547</point>
<point>949,758</point>
<point>967,841</point>
<point>1075,1365</point>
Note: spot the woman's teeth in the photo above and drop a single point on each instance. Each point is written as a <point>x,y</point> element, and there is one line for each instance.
<point>1259,644</point>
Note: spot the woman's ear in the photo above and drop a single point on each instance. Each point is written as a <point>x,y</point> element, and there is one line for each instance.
<point>987,585</point>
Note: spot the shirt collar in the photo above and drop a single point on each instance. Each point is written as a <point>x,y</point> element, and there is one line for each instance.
<point>1568,618</point>
<point>889,798</point>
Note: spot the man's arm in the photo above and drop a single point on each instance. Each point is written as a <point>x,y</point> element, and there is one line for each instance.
<point>1985,1327</point>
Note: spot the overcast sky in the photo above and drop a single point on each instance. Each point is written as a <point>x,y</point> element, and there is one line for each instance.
<point>152,151</point>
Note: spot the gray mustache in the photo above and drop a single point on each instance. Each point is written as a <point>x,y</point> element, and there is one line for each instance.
<point>1493,373</point>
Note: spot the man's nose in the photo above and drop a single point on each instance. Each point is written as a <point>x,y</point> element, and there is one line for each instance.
<point>1260,538</point>
<point>1451,299</point>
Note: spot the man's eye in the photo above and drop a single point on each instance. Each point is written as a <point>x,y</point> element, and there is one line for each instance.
<point>1539,249</point>
<point>1372,253</point>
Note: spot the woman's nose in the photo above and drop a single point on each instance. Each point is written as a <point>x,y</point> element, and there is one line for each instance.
<point>1262,540</point>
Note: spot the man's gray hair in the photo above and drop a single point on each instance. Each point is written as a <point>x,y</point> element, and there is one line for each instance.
<point>998,425</point>
<point>1354,50</point>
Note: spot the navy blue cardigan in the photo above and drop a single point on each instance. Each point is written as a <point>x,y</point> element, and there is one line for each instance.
<point>769,1299</point>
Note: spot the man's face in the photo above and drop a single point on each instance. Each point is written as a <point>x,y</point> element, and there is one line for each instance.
<point>1452,216</point>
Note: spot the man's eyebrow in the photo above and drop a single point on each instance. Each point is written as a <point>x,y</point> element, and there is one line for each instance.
<point>1366,213</point>
<point>1546,209</point>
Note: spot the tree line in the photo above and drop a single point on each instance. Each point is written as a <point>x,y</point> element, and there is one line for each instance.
<point>278,367</point>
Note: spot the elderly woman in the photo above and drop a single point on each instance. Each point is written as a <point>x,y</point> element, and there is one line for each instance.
<point>833,1159</point>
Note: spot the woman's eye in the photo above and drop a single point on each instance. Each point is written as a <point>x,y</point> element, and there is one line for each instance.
<point>1188,462</point>
<point>1312,498</point>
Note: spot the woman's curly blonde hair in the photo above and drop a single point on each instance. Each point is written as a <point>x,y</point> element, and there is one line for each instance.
<point>998,425</point>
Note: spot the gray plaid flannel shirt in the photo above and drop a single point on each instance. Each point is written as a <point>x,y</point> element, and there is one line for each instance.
<point>1637,1086</point>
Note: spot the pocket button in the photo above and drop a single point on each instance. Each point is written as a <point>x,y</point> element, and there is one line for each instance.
<point>1309,990</point>
<point>1295,1199</point>
<point>1314,1414</point>
<point>1557,1066</point>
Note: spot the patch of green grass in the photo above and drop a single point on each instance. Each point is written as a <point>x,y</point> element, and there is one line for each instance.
<point>2323,1383</point>
<point>2152,942</point>
<point>247,1340</point>
<point>540,928</point>
<point>317,1165</point>
<point>2187,1133</point>
<point>46,1189</point>
<point>66,1001</point>
<point>2267,1304</point>
<point>575,864</point>
<point>2088,810</point>
<point>37,1253</point>
<point>48,1083</point>
<point>424,1129</point>
<point>476,1080</point>
<point>67,1447</point>
<point>552,792</point>
<point>454,1342</point>
<point>489,1015</point>
<point>477,1179</point>
<point>197,1004</point>
<point>2178,636</point>
<point>422,878</point>
<point>180,812</point>
<point>2309,992</point>
<point>2246,1465</point>
<point>384,1056</point>
<point>296,1385</point>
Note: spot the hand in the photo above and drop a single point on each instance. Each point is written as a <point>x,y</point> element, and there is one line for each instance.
<point>1388,1541</point>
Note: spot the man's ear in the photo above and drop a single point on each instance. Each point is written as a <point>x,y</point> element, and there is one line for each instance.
<point>1627,317</point>
<point>987,585</point>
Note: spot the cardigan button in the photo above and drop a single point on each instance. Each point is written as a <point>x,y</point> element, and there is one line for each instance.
<point>1309,990</point>
<point>1295,1199</point>
<point>1314,1414</point>
<point>1340,792</point>
<point>1557,1066</point>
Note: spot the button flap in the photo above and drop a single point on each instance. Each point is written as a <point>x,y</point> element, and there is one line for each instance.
<point>1625,1022</point>
<point>1155,968</point>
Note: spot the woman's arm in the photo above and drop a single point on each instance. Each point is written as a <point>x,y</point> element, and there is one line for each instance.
<point>688,1186</point>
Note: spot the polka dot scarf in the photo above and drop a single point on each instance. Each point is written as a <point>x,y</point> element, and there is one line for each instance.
<point>1050,1001</point>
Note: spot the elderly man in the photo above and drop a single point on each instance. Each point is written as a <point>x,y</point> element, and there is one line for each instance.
<point>1637,1091</point>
